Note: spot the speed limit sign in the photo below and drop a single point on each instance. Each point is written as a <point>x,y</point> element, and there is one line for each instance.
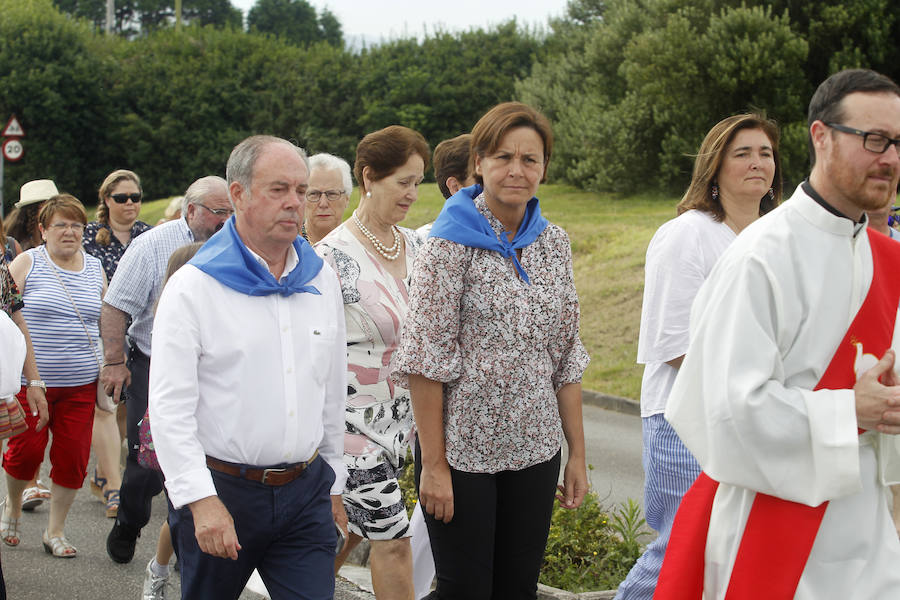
<point>13,149</point>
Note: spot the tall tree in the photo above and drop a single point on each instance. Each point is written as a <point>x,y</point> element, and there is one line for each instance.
<point>633,93</point>
<point>331,29</point>
<point>141,17</point>
<point>294,21</point>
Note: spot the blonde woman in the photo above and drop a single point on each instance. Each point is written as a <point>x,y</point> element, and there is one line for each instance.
<point>107,238</point>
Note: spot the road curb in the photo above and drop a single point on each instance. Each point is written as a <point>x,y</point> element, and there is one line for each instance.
<point>545,592</point>
<point>609,402</point>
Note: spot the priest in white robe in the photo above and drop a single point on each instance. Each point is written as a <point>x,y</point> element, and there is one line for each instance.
<point>779,397</point>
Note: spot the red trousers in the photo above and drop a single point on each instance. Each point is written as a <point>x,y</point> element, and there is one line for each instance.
<point>71,419</point>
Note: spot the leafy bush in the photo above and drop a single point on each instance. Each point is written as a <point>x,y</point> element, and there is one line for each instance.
<point>590,548</point>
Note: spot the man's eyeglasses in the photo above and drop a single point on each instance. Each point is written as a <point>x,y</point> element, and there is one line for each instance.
<point>873,142</point>
<point>123,198</point>
<point>219,212</point>
<point>313,196</point>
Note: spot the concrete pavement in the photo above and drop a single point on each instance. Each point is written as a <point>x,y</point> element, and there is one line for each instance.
<point>613,442</point>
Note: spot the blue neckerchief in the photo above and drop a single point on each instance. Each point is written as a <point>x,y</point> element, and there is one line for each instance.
<point>461,222</point>
<point>226,258</point>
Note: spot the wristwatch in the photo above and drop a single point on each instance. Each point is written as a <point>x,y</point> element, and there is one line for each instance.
<point>37,383</point>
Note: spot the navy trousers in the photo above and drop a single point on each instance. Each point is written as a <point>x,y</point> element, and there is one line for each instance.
<point>139,485</point>
<point>285,532</point>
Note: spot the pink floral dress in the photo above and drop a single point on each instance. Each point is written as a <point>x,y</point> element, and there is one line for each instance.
<point>379,414</point>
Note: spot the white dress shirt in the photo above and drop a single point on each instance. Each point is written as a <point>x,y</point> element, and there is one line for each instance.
<point>257,380</point>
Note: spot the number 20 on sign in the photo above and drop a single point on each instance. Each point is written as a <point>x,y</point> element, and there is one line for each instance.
<point>13,150</point>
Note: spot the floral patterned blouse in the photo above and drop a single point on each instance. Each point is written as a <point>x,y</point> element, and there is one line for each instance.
<point>110,254</point>
<point>378,416</point>
<point>501,347</point>
<point>10,297</point>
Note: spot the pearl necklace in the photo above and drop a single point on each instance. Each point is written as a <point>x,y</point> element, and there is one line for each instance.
<point>389,253</point>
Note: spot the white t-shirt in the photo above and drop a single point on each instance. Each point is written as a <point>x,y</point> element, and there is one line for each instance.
<point>12,356</point>
<point>679,258</point>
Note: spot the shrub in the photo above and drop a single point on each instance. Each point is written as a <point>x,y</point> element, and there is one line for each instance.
<point>590,548</point>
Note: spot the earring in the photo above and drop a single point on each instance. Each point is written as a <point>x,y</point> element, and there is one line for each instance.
<point>772,194</point>
<point>715,191</point>
<point>368,194</point>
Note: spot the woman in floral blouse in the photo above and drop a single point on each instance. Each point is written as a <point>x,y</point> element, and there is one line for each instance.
<point>107,238</point>
<point>492,357</point>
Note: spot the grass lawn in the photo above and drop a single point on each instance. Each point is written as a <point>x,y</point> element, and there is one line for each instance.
<point>609,239</point>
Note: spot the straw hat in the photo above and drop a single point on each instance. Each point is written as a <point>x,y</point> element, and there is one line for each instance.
<point>36,191</point>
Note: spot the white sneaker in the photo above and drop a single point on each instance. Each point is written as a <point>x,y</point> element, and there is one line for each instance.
<point>154,585</point>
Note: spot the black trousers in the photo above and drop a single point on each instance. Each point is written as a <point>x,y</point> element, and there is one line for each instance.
<point>139,485</point>
<point>493,547</point>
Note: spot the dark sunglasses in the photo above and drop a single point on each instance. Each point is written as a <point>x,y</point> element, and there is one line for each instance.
<point>123,198</point>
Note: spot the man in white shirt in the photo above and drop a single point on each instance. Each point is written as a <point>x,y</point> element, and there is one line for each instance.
<point>247,392</point>
<point>779,397</point>
<point>133,293</point>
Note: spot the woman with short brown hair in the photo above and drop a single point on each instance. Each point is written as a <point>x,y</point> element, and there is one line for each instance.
<point>491,354</point>
<point>62,288</point>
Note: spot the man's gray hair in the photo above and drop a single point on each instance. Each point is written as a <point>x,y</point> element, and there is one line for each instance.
<point>244,156</point>
<point>330,162</point>
<point>199,190</point>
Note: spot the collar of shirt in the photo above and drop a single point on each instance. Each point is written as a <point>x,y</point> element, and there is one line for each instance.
<point>812,193</point>
<point>290,262</point>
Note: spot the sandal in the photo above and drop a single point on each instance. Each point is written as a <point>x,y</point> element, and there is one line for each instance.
<point>58,546</point>
<point>9,527</point>
<point>112,503</point>
<point>31,498</point>
<point>45,491</point>
<point>97,485</point>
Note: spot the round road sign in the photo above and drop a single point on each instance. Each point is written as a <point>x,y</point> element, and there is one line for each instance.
<point>13,149</point>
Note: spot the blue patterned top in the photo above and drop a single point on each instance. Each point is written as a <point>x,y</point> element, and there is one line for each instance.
<point>111,253</point>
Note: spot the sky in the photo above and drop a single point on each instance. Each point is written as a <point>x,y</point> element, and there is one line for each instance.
<point>388,19</point>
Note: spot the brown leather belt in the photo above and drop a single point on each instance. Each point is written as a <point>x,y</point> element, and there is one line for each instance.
<point>275,477</point>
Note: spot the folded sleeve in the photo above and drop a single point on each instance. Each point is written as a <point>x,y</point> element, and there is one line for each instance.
<point>429,344</point>
<point>673,273</point>
<point>566,350</point>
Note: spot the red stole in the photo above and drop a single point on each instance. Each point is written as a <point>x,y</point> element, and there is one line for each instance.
<point>779,534</point>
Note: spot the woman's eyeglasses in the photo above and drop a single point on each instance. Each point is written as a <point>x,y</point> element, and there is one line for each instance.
<point>313,196</point>
<point>76,227</point>
<point>123,198</point>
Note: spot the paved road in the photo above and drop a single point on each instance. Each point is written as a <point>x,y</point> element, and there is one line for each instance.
<point>613,443</point>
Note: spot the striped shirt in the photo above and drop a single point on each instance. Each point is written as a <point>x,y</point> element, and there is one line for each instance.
<point>139,277</point>
<point>65,357</point>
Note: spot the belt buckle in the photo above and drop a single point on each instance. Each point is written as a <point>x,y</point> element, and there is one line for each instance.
<point>267,472</point>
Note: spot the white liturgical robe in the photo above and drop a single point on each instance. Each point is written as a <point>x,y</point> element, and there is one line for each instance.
<point>764,328</point>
